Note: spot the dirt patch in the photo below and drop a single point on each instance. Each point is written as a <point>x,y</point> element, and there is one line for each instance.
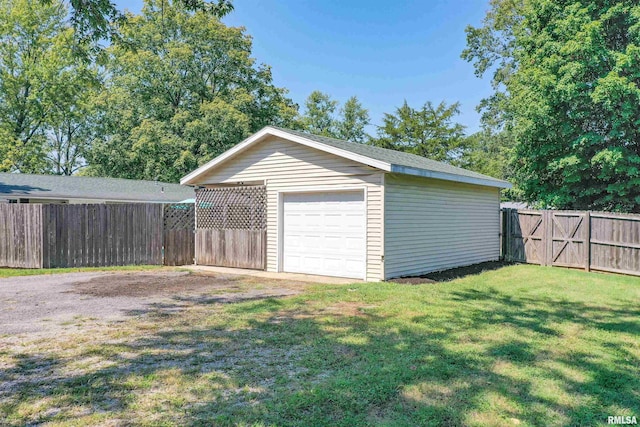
<point>454,273</point>
<point>153,284</point>
<point>47,304</point>
<point>170,284</point>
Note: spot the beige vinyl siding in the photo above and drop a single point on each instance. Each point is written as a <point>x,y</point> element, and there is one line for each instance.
<point>288,166</point>
<point>433,225</point>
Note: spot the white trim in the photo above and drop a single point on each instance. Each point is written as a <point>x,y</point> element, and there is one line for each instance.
<point>322,188</point>
<point>366,233</point>
<point>319,189</point>
<point>405,170</point>
<point>279,234</point>
<point>383,197</point>
<point>188,179</point>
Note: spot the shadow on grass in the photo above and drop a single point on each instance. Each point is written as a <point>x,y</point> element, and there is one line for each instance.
<point>292,364</point>
<point>181,303</point>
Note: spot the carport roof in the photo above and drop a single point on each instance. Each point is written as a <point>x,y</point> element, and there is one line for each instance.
<point>380,158</point>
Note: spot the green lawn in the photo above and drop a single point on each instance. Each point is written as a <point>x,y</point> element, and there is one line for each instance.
<point>12,272</point>
<point>522,345</point>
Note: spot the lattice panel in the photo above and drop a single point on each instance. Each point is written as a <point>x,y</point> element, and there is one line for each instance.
<point>242,208</point>
<point>179,216</point>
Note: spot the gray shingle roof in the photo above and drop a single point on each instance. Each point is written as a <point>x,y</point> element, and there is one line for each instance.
<point>393,157</point>
<point>19,185</point>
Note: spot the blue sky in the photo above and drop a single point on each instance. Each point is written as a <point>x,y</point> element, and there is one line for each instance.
<point>382,52</point>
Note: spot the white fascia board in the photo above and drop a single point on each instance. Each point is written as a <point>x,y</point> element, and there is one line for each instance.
<point>378,164</point>
<point>190,178</point>
<point>449,177</point>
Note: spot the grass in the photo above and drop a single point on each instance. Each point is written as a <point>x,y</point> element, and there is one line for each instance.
<point>13,272</point>
<point>521,345</point>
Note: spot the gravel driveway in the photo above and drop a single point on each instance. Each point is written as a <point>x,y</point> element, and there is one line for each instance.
<point>45,304</point>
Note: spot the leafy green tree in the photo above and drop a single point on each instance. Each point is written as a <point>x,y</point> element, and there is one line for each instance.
<point>429,131</point>
<point>182,87</point>
<point>567,78</point>
<point>40,79</point>
<point>352,122</point>
<point>95,20</point>
<point>489,154</point>
<point>320,118</point>
<point>70,127</point>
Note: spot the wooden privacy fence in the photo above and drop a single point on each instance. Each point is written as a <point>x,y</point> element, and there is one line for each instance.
<point>55,235</point>
<point>231,226</point>
<point>101,235</point>
<point>21,235</point>
<point>581,239</point>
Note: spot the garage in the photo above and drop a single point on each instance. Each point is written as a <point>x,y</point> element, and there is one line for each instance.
<point>324,233</point>
<point>337,208</point>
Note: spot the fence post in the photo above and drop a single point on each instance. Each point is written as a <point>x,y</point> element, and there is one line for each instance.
<point>513,216</point>
<point>501,216</point>
<point>509,234</point>
<point>587,241</point>
<point>505,236</point>
<point>548,237</point>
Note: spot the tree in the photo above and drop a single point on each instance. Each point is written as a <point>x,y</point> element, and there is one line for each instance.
<point>353,120</point>
<point>40,79</point>
<point>181,89</point>
<point>429,132</point>
<point>488,154</point>
<point>320,118</point>
<point>70,127</point>
<point>95,20</point>
<point>568,89</point>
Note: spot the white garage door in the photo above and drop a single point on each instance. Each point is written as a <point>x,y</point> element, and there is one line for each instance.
<point>325,233</point>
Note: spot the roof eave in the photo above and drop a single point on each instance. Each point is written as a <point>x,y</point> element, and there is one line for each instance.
<point>449,177</point>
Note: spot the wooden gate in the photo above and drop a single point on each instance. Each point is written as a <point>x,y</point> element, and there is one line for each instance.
<point>179,237</point>
<point>231,225</point>
<point>568,239</point>
<point>554,238</point>
<point>525,233</point>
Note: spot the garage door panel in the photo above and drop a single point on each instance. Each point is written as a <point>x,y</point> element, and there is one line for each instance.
<point>292,241</point>
<point>354,265</point>
<point>325,233</point>
<point>355,243</point>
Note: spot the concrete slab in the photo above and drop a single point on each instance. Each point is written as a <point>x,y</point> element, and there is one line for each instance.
<point>271,275</point>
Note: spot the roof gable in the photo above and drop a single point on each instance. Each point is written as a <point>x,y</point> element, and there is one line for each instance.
<point>265,160</point>
<point>380,158</point>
